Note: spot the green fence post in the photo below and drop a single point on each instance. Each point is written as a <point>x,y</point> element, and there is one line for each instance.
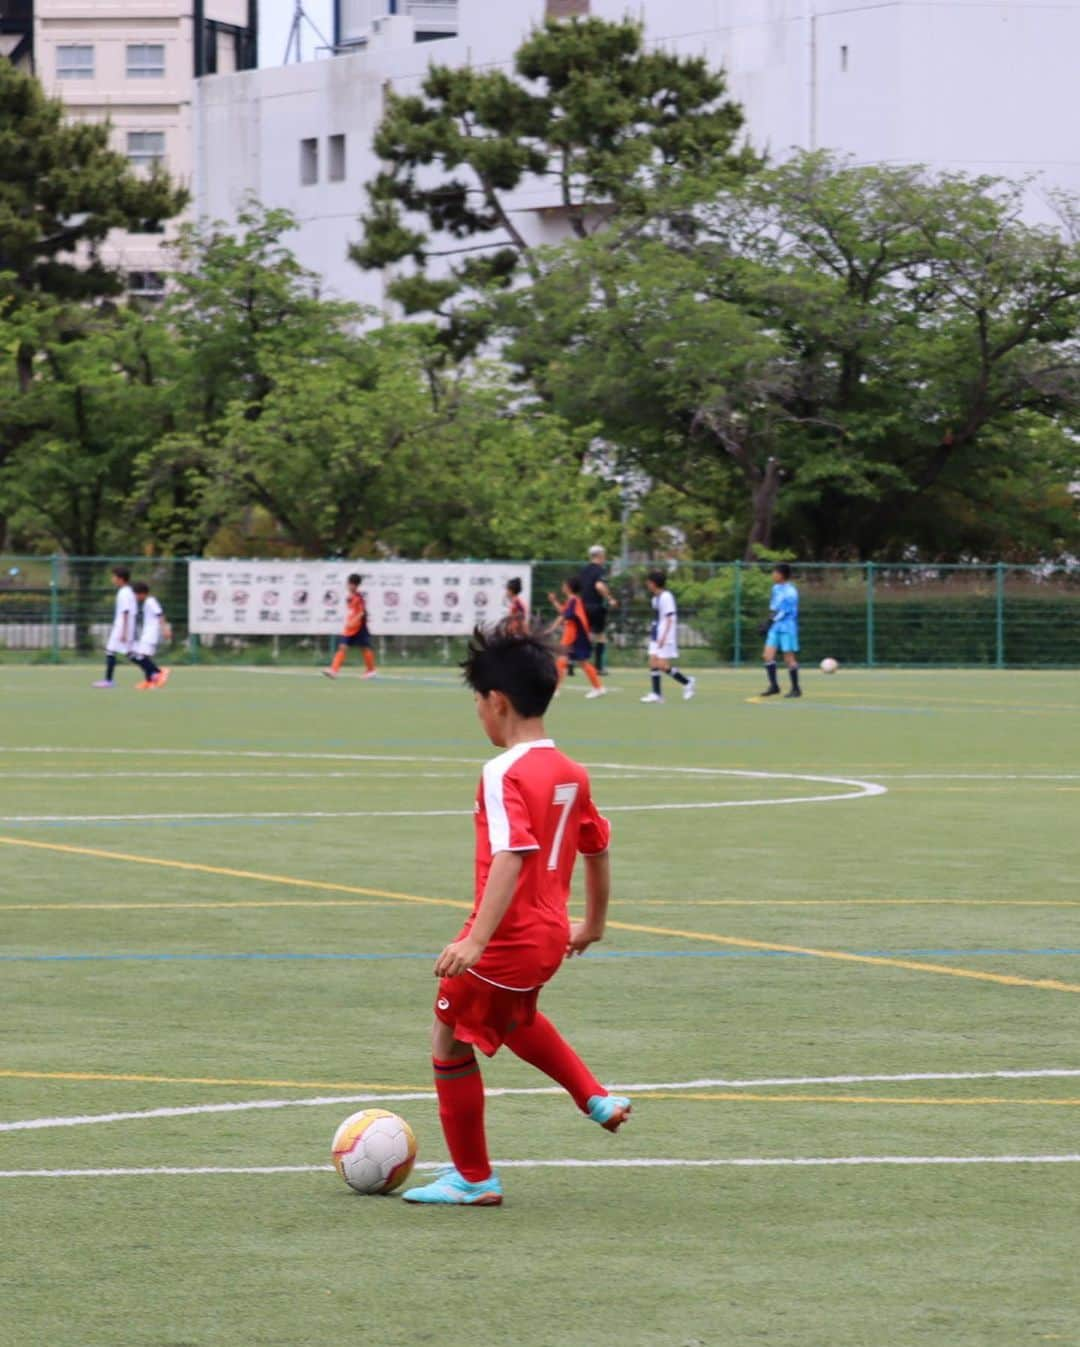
<point>54,606</point>
<point>999,616</point>
<point>870,614</point>
<point>736,645</point>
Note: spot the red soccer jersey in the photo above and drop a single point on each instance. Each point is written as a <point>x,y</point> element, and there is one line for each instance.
<point>518,619</point>
<point>534,800</point>
<point>355,614</point>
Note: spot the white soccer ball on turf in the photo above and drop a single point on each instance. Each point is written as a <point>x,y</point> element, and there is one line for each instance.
<point>374,1150</point>
<point>829,665</point>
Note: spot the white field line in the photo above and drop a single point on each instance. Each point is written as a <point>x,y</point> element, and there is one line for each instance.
<point>733,1162</point>
<point>319,1101</point>
<point>873,775</point>
<point>859,790</point>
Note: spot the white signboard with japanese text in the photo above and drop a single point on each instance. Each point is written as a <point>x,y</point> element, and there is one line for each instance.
<point>307,598</point>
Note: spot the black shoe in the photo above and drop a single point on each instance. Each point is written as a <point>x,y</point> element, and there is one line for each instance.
<point>770,692</point>
<point>793,693</point>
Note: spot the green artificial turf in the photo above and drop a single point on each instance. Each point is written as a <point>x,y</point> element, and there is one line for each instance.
<point>308,821</point>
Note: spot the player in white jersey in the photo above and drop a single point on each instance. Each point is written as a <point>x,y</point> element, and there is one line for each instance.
<point>152,627</point>
<point>122,632</point>
<point>664,639</point>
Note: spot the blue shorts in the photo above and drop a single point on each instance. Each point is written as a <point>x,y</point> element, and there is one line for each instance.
<point>783,636</point>
<point>580,652</point>
<point>362,637</point>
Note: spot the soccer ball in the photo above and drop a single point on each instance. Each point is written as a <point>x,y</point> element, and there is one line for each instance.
<point>829,665</point>
<point>374,1150</point>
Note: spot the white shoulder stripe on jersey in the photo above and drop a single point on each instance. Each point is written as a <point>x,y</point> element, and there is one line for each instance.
<point>494,771</point>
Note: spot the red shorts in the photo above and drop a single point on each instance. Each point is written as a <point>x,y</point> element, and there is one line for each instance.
<point>481,1013</point>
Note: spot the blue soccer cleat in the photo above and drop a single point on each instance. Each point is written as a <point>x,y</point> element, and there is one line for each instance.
<point>609,1110</point>
<point>451,1190</point>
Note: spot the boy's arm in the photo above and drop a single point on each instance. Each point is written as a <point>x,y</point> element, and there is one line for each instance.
<point>502,880</point>
<point>597,894</point>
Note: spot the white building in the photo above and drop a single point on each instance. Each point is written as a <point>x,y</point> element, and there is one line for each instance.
<point>984,86</point>
<point>133,63</point>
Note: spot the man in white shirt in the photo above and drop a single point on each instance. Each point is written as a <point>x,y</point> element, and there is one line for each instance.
<point>122,632</point>
<point>664,639</point>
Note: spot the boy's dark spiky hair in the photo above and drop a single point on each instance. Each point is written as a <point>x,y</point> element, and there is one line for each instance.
<point>521,665</point>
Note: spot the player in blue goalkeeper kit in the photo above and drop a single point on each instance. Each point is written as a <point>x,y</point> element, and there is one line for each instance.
<point>781,632</point>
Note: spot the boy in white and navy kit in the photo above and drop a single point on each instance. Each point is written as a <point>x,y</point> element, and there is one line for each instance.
<point>152,627</point>
<point>664,639</point>
<point>122,632</point>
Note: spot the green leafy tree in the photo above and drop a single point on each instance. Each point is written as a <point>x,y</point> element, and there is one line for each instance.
<point>860,351</point>
<point>601,124</point>
<point>243,310</point>
<point>102,392</point>
<point>293,421</point>
<point>62,191</point>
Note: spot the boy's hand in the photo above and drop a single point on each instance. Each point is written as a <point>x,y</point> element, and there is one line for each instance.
<point>581,937</point>
<point>457,957</point>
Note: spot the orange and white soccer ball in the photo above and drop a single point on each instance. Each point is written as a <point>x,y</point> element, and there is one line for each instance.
<point>374,1150</point>
<point>829,665</point>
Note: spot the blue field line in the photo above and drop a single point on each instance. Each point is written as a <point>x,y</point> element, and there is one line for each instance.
<point>327,956</point>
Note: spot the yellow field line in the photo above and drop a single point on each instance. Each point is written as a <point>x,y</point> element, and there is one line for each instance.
<point>155,907</point>
<point>740,1097</point>
<point>623,902</point>
<point>914,965</point>
<point>120,1078</point>
<point>737,942</point>
<point>851,902</point>
<point>232,874</point>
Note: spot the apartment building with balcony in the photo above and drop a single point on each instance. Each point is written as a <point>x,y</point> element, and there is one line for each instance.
<point>133,63</point>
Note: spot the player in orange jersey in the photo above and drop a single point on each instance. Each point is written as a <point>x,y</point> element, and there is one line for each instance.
<point>534,816</point>
<point>575,640</point>
<point>355,632</point>
<point>517,619</point>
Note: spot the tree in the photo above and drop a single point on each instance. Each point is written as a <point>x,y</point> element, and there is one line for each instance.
<point>62,191</point>
<point>603,124</point>
<point>345,440</point>
<point>861,348</point>
<point>102,392</point>
<point>242,309</point>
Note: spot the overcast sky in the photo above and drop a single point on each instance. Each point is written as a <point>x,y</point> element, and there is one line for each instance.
<point>275,20</point>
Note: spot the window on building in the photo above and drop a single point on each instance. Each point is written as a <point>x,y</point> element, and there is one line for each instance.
<point>148,286</point>
<point>309,162</point>
<point>146,60</point>
<point>335,165</point>
<point>75,61</point>
<point>146,149</point>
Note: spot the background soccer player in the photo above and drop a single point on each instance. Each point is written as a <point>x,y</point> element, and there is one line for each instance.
<point>534,816</point>
<point>575,640</point>
<point>597,598</point>
<point>150,628</point>
<point>518,614</point>
<point>782,632</point>
<point>664,639</point>
<point>122,632</point>
<point>355,631</point>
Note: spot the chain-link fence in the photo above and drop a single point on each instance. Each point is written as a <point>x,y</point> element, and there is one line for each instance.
<point>58,608</point>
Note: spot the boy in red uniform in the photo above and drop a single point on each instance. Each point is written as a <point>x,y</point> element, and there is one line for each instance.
<point>355,632</point>
<point>517,619</point>
<point>576,640</point>
<point>534,815</point>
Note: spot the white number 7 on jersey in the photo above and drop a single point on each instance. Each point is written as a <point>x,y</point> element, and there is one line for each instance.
<point>564,797</point>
